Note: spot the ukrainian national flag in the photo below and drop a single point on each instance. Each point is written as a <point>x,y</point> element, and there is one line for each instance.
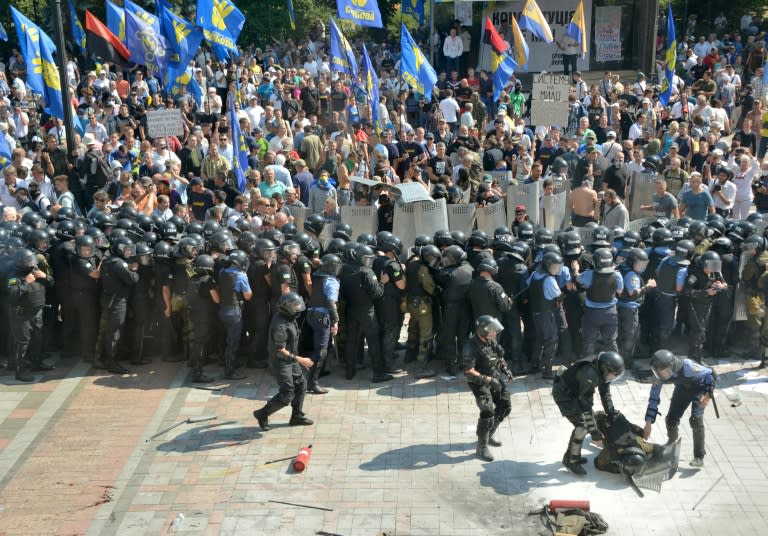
<point>532,19</point>
<point>53,97</point>
<point>78,33</point>
<point>240,156</point>
<point>414,67</point>
<point>671,60</point>
<point>116,20</point>
<point>577,29</point>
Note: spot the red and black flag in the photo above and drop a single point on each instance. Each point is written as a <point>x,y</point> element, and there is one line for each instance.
<point>104,44</point>
<point>493,38</point>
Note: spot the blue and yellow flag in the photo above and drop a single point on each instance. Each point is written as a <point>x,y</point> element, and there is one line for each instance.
<point>519,48</point>
<point>577,29</point>
<point>532,19</point>
<point>419,9</point>
<point>5,151</point>
<point>147,46</point>
<point>414,67</point>
<point>504,71</point>
<point>221,22</point>
<point>181,80</point>
<point>240,156</point>
<point>291,14</point>
<point>342,56</point>
<point>160,5</point>
<point>53,96</point>
<point>78,33</point>
<point>3,33</point>
<point>371,86</point>
<point>182,36</point>
<point>362,12</point>
<point>29,35</point>
<point>671,60</point>
<point>116,20</point>
<point>145,16</point>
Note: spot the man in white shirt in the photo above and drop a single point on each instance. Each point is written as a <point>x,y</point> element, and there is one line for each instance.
<point>9,186</point>
<point>98,130</point>
<point>453,48</point>
<point>723,192</point>
<point>450,109</point>
<point>636,130</point>
<point>743,177</point>
<point>254,112</point>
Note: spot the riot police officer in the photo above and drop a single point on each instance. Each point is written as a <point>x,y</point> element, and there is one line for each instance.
<point>202,296</point>
<point>140,303</point>
<point>388,311</point>
<point>258,308</point>
<point>118,277</point>
<point>61,253</point>
<point>85,273</point>
<point>233,289</point>
<point>454,280</point>
<point>543,296</point>
<point>513,272</point>
<point>574,392</point>
<point>694,384</point>
<point>721,316</point>
<point>754,248</point>
<point>482,360</point>
<point>283,278</point>
<point>26,286</point>
<point>284,364</point>
<point>486,296</point>
<point>630,301</point>
<point>360,289</point>
<point>419,289</point>
<point>323,316</point>
<point>703,281</point>
<point>603,284</point>
<point>670,277</point>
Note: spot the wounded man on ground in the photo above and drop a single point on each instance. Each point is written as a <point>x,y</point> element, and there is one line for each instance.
<point>626,452</point>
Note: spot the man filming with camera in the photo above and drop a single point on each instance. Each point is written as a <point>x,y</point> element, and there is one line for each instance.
<point>723,192</point>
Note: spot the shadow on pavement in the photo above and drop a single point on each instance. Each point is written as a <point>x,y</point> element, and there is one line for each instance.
<point>420,457</point>
<point>210,437</point>
<point>509,477</point>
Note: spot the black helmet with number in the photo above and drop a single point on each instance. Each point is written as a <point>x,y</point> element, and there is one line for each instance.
<point>391,245</point>
<point>543,236</point>
<point>601,237</point>
<point>611,366</point>
<point>65,230</point>
<point>343,230</point>
<point>754,244</point>
<point>368,239</point>
<point>204,265</point>
<point>124,248</point>
<point>150,238</point>
<point>24,261</point>
<point>336,246</point>
<point>559,165</point>
<point>162,251</point>
<point>478,239</point>
<point>169,231</point>
<point>330,264</point>
<point>722,245</point>
<point>602,259</point>
<point>179,222</point>
<point>459,238</point>
<point>521,251</point>
<point>188,247</point>
<point>661,237</point>
<point>637,260</point>
<point>488,264</point>
<point>290,305</point>
<point>500,231</point>
<point>239,258</point>
<point>363,255</point>
<point>245,241</point>
<point>314,224</point>
<point>552,263</point>
<point>488,326</point>
<point>264,249</point>
<point>430,255</point>
<point>570,243</point>
<point>632,239</point>
<point>442,238</point>
<point>684,251</point>
<point>661,222</point>
<point>665,364</point>
<point>453,256</point>
<point>678,232</point>
<point>525,231</point>
<point>289,230</point>
<point>502,246</point>
<point>209,228</point>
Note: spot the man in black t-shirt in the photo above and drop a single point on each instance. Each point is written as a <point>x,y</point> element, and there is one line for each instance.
<point>199,198</point>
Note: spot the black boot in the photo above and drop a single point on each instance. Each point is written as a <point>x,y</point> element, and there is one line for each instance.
<point>572,458</point>
<point>483,431</point>
<point>312,377</point>
<point>262,415</point>
<point>299,419</point>
<point>491,441</point>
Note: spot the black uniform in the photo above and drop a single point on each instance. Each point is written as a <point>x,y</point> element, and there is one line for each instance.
<point>322,315</point>
<point>258,313</point>
<point>454,331</point>
<point>360,289</point>
<point>721,315</point>
<point>487,297</point>
<point>697,285</point>
<point>387,307</point>
<point>25,307</point>
<point>512,276</point>
<point>140,304</point>
<point>85,304</point>
<point>284,334</point>
<point>283,273</point>
<point>117,281</point>
<point>201,307</point>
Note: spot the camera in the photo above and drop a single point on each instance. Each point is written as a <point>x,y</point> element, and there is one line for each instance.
<point>718,187</point>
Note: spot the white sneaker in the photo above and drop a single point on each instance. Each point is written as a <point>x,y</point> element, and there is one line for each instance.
<point>697,462</point>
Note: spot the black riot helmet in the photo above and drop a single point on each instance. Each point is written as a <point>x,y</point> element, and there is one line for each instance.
<point>335,245</point>
<point>520,251</point>
<point>618,233</point>
<point>179,222</point>
<point>32,219</point>
<point>41,240</point>
<point>637,260</point>
<point>363,255</point>
<point>478,239</point>
<point>710,262</point>
<point>221,242</point>
<point>169,231</point>
<point>314,224</point>
<point>239,258</point>
<point>722,245</point>
<point>162,251</point>
<point>754,244</point>
<point>665,364</point>
<point>65,230</point>
<point>289,230</point>
<point>611,366</point>
<point>343,230</point>
<point>330,264</point>
<point>150,238</point>
<point>85,246</point>
<point>24,261</point>
<point>290,305</point>
<point>127,212</point>
<point>500,231</point>
<point>65,213</point>
<point>204,265</point>
<point>188,247</point>
<point>288,250</point>
<point>391,245</point>
<point>143,254</point>
<point>245,241</point>
<point>488,265</point>
<point>603,261</point>
<point>442,238</point>
<point>570,243</point>
<point>209,228</point>
<point>678,232</point>
<point>368,239</point>
<point>430,255</point>
<point>488,327</point>
<point>661,237</point>
<point>755,218</point>
<point>194,227</point>
<point>124,248</point>
<point>601,237</point>
<point>697,231</point>
<point>453,256</point>
<point>264,249</point>
<point>559,165</point>
<point>552,263</point>
<point>422,240</point>
<point>459,238</point>
<point>305,243</point>
<point>685,221</point>
<point>684,250</point>
<point>147,224</point>
<point>632,239</point>
<point>652,163</point>
<point>381,236</point>
<point>525,231</point>
<point>716,228</point>
<point>502,246</point>
<point>276,236</point>
<point>543,236</point>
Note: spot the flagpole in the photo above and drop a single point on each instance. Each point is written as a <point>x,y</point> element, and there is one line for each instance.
<point>61,60</point>
<point>433,52</point>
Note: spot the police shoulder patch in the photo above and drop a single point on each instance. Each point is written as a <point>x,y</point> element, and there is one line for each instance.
<point>396,274</point>
<point>12,281</point>
<point>635,281</point>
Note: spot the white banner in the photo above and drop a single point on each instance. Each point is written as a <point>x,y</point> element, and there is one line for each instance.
<point>543,57</point>
<point>608,33</point>
<point>547,113</point>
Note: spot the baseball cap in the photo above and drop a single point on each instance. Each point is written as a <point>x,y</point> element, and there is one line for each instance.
<point>430,136</point>
<point>487,177</point>
<point>520,208</point>
<point>197,181</point>
<point>591,149</point>
<point>611,134</point>
<point>674,146</point>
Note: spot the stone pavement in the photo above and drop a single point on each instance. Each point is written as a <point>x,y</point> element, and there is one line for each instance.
<point>77,456</point>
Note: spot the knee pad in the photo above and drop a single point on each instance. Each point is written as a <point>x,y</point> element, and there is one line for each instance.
<point>579,433</point>
<point>503,411</point>
<point>672,423</point>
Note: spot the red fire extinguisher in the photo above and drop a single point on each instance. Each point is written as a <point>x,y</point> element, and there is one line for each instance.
<point>565,504</point>
<point>302,459</point>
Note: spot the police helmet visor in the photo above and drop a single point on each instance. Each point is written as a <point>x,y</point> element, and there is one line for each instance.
<point>267,254</point>
<point>85,252</point>
<point>367,260</point>
<point>640,266</point>
<point>43,245</point>
<point>128,251</point>
<point>144,260</point>
<point>613,376</point>
<point>713,266</point>
<point>662,374</point>
<point>101,241</point>
<point>555,269</point>
<point>490,328</point>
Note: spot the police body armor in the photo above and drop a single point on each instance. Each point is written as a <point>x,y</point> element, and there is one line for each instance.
<point>293,282</point>
<point>512,275</point>
<point>182,271</point>
<point>413,288</point>
<point>29,303</point>
<point>538,303</point>
<point>654,259</point>
<point>625,270</point>
<point>318,297</point>
<point>361,289</point>
<point>603,288</point>
<point>110,279</point>
<point>79,274</point>
<point>228,296</point>
<point>487,357</point>
<point>696,283</point>
<point>667,280</point>
<point>455,281</point>
<point>197,303</point>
